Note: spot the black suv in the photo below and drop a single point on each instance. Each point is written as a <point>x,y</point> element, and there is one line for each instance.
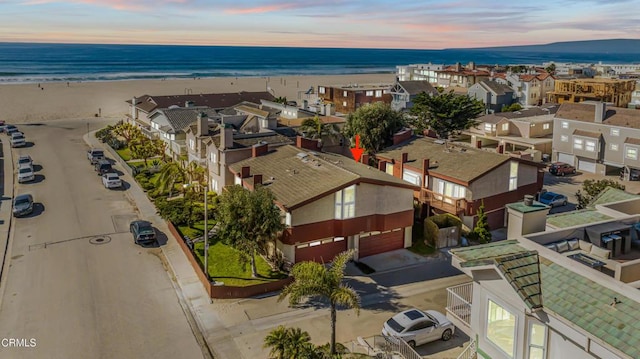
<point>143,232</point>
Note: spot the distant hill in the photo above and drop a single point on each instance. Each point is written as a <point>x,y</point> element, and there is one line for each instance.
<point>620,46</point>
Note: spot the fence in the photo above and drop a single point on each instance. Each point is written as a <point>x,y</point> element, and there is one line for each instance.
<point>470,351</point>
<point>119,159</point>
<point>393,348</point>
<point>459,299</point>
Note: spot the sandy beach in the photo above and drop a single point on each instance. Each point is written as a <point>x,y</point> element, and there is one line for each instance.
<point>21,103</point>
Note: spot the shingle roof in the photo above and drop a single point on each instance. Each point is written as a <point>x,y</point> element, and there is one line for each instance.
<point>418,87</point>
<point>533,113</point>
<point>585,112</point>
<point>296,175</point>
<point>522,271</point>
<point>574,297</point>
<point>180,118</point>
<point>217,101</point>
<point>496,87</point>
<point>461,163</point>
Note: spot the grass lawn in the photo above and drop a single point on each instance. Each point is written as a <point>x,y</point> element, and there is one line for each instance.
<point>125,153</point>
<point>418,246</point>
<point>225,265</point>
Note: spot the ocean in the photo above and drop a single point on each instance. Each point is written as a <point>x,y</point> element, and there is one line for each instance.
<point>29,62</point>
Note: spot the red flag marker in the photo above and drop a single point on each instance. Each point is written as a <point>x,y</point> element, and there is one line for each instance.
<point>357,151</point>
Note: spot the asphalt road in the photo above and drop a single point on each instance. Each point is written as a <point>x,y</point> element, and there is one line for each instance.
<point>77,284</point>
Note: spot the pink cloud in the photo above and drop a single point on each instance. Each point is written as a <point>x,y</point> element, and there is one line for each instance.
<point>261,9</point>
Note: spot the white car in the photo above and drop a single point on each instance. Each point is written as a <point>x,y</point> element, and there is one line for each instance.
<point>417,327</point>
<point>111,180</point>
<point>25,174</point>
<point>24,160</point>
<point>18,140</point>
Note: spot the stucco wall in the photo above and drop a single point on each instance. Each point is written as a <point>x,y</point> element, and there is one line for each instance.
<point>497,181</point>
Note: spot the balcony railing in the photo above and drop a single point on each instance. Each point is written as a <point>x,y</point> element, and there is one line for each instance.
<point>459,300</point>
<point>393,348</point>
<point>179,147</point>
<point>470,352</point>
<point>448,204</point>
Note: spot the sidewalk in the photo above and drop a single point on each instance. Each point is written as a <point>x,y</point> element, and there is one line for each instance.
<point>6,218</point>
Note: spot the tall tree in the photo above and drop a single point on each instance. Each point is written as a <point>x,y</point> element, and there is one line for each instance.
<point>482,230</point>
<point>446,113</point>
<point>143,148</point>
<point>375,123</point>
<point>315,129</point>
<point>161,148</point>
<point>127,130</point>
<point>592,188</point>
<point>247,219</point>
<point>313,279</point>
<point>170,174</point>
<point>289,343</point>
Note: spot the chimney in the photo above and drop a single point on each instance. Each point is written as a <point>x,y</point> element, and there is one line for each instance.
<point>226,137</point>
<point>601,111</point>
<point>259,149</point>
<point>257,180</point>
<point>382,166</point>
<point>528,200</point>
<point>309,144</point>
<point>405,157</point>
<point>203,124</point>
<point>134,100</point>
<point>245,172</point>
<point>458,67</point>
<point>364,159</point>
<point>402,135</point>
<point>425,171</point>
<point>501,149</point>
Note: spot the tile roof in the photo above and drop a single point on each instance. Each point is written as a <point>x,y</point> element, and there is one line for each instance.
<point>149,103</point>
<point>461,163</point>
<point>496,87</point>
<point>418,87</point>
<point>576,218</point>
<point>585,112</point>
<point>180,118</point>
<point>296,175</point>
<point>522,271</point>
<point>610,195</point>
<point>574,297</point>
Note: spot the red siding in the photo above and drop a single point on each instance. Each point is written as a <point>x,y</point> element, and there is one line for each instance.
<point>381,243</point>
<point>322,253</point>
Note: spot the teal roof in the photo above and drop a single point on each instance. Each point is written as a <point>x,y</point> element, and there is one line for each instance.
<point>523,208</point>
<point>522,271</point>
<point>610,195</point>
<point>568,294</point>
<point>577,218</point>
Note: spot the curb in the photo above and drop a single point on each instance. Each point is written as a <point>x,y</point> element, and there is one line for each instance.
<point>8,182</point>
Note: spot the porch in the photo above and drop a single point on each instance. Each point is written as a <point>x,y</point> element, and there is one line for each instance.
<point>444,203</point>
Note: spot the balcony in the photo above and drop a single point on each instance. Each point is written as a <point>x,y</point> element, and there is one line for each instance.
<point>179,147</point>
<point>459,301</point>
<point>448,204</point>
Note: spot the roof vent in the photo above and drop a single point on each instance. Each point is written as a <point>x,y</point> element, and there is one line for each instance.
<point>439,142</point>
<point>528,200</point>
<point>302,155</point>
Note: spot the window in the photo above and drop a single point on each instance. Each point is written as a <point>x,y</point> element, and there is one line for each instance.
<point>237,181</point>
<point>344,93</point>
<point>578,143</point>
<point>537,340</point>
<point>346,203</point>
<point>411,177</point>
<point>378,93</point>
<point>505,127</point>
<point>369,93</point>
<point>287,219</point>
<point>545,126</point>
<point>631,153</point>
<point>615,132</point>
<point>564,124</point>
<point>192,144</point>
<point>487,127</point>
<point>564,138</point>
<point>448,189</point>
<point>613,147</point>
<point>344,103</point>
<point>590,146</point>
<point>321,90</point>
<point>214,185</point>
<point>513,176</point>
<point>172,137</point>
<point>501,328</point>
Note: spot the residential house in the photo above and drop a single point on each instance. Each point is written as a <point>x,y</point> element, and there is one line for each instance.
<point>169,125</point>
<point>552,293</point>
<point>530,88</point>
<point>493,94</point>
<point>461,76</point>
<point>404,92</point>
<point>597,138</point>
<point>458,179</point>
<point>142,106</point>
<point>616,91</point>
<point>348,98</point>
<point>527,131</point>
<point>330,203</point>
<point>419,72</point>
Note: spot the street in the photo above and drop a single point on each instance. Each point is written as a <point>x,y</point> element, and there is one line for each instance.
<point>77,284</point>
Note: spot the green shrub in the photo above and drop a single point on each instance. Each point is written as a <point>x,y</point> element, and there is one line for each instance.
<point>174,211</point>
<point>446,220</point>
<point>430,232</point>
<point>104,134</point>
<point>116,144</point>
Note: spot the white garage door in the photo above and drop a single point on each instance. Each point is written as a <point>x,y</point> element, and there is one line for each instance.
<point>587,166</point>
<point>566,158</point>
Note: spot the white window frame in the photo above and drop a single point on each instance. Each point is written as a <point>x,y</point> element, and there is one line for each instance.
<point>631,153</point>
<point>505,126</point>
<point>613,147</point>
<point>564,138</point>
<point>411,177</point>
<point>237,180</point>
<point>378,93</point>
<point>344,93</point>
<point>615,132</point>
<point>513,175</point>
<point>503,312</point>
<point>369,93</point>
<point>345,209</point>
<point>488,127</point>
<point>321,90</point>
<point>344,103</point>
<point>546,126</point>
<point>214,185</point>
<point>287,219</point>
<point>172,137</point>
<point>449,189</point>
<point>590,146</point>
<point>192,144</point>
<point>578,143</point>
<point>531,345</point>
<point>564,124</point>
<point>213,157</point>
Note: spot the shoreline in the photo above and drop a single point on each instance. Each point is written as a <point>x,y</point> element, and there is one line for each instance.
<point>32,102</point>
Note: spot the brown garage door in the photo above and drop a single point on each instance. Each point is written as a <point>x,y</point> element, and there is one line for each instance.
<point>495,219</point>
<point>380,243</point>
<point>321,253</point>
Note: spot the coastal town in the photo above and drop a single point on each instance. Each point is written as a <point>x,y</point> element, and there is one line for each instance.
<point>442,211</point>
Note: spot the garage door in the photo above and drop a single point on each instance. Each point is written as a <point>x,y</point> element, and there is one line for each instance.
<point>380,243</point>
<point>566,158</point>
<point>496,219</point>
<point>320,251</point>
<point>586,166</point>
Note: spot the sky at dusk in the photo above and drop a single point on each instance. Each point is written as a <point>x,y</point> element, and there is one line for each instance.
<point>329,23</point>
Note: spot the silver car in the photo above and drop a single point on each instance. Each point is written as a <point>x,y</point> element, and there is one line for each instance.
<point>18,140</point>
<point>417,327</point>
<point>24,160</point>
<point>25,174</point>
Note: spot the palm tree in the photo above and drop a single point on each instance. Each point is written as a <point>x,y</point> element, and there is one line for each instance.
<point>315,280</point>
<point>288,343</point>
<point>170,174</point>
<point>315,129</point>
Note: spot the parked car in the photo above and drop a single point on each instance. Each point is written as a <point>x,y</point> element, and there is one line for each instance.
<point>553,199</point>
<point>18,140</point>
<point>103,166</point>
<point>94,155</point>
<point>22,205</point>
<point>9,129</point>
<point>25,160</point>
<point>143,232</point>
<point>25,174</point>
<point>2,125</point>
<point>561,169</point>
<point>111,180</point>
<point>417,327</point>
